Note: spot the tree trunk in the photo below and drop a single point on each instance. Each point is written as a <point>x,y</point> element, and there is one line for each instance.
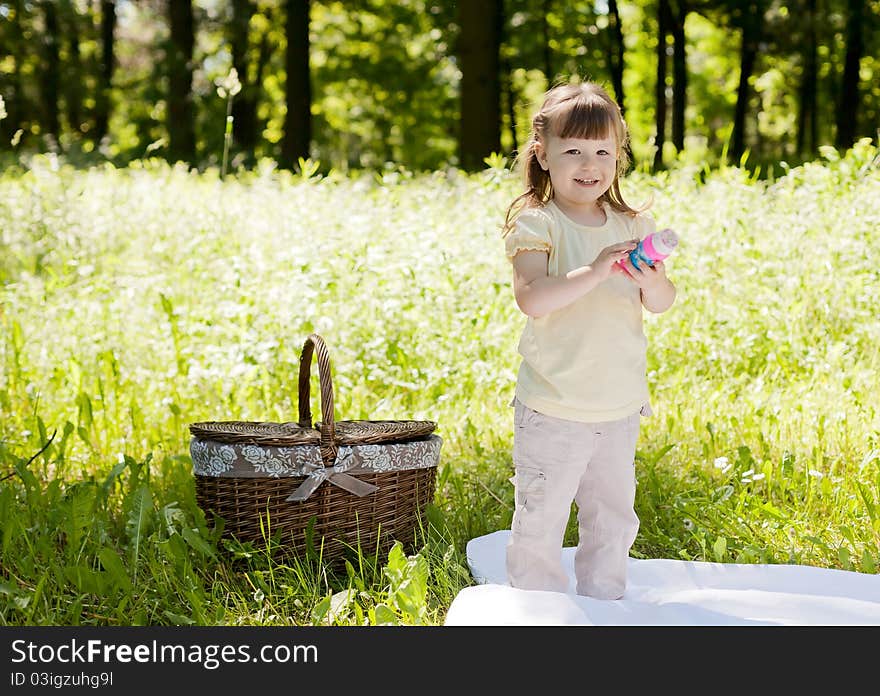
<point>480,84</point>
<point>752,21</point>
<point>508,92</point>
<point>264,53</point>
<point>545,31</point>
<point>49,76</point>
<point>679,72</point>
<point>74,73</point>
<point>244,124</point>
<point>660,91</point>
<point>298,119</point>
<point>806,126</point>
<point>108,60</point>
<point>181,118</point>
<point>847,113</point>
<point>617,52</point>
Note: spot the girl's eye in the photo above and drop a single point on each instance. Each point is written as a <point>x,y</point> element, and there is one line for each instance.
<point>603,152</point>
<point>572,152</point>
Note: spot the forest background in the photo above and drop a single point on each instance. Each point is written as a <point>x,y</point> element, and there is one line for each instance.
<point>429,84</point>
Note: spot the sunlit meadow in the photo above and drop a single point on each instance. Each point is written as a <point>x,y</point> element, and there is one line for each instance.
<point>137,301</point>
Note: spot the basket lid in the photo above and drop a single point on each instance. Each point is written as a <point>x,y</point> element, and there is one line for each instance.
<point>348,432</point>
<point>366,432</point>
<point>256,433</point>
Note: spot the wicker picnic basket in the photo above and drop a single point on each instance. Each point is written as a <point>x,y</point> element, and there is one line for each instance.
<point>336,486</point>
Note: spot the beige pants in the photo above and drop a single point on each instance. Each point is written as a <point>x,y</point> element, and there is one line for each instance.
<point>558,461</point>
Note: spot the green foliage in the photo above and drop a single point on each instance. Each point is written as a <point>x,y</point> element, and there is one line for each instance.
<point>385,83</point>
<point>134,301</point>
<point>407,591</point>
<point>385,79</point>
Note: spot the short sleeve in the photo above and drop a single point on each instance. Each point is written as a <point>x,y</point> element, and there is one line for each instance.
<point>531,232</point>
<point>645,224</point>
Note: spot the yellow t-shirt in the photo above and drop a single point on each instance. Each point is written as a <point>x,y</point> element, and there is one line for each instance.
<point>587,361</point>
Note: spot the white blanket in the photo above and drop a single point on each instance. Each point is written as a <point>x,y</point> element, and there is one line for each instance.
<point>670,592</point>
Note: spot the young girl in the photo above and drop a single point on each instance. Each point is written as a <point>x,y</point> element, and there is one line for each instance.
<point>581,386</point>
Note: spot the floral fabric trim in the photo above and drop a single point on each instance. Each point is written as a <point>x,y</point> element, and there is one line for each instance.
<point>211,458</point>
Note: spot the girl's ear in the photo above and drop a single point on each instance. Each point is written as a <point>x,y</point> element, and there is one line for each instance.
<point>541,155</point>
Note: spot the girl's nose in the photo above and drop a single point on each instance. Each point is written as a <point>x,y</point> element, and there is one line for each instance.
<point>588,162</point>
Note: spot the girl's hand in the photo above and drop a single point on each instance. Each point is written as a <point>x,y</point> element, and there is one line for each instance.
<point>645,276</point>
<point>606,262</point>
<point>656,290</point>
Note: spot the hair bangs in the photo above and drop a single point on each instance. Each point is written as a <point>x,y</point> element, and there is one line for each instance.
<point>587,117</point>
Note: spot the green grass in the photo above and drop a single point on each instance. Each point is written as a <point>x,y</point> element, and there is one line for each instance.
<point>137,301</point>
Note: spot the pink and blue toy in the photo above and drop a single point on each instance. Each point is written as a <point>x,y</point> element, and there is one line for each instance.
<point>655,247</point>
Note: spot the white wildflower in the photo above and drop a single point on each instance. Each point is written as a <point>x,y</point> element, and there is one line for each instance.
<point>723,464</point>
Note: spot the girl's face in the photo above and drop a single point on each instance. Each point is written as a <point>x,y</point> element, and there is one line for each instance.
<point>581,170</point>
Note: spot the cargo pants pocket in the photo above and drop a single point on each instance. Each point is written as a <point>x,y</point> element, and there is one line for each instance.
<point>528,515</point>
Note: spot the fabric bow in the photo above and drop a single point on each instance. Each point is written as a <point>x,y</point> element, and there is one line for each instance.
<point>336,475</point>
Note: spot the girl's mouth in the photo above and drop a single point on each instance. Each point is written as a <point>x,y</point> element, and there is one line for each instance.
<point>586,182</point>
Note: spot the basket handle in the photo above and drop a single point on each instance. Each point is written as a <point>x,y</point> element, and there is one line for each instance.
<point>328,424</point>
